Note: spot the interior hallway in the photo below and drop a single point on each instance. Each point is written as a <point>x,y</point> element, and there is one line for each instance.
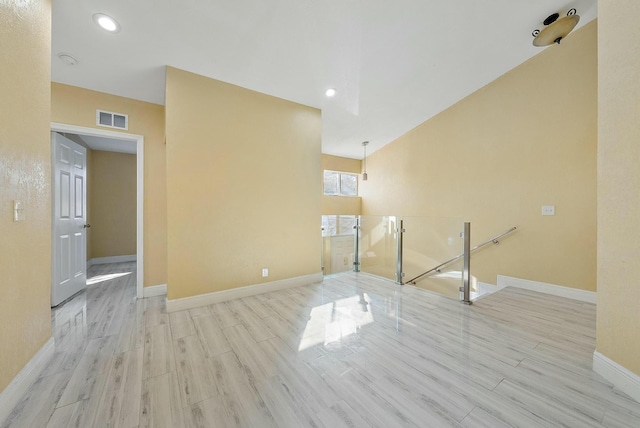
<point>353,351</point>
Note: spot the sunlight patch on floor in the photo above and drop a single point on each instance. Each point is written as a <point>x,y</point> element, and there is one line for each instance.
<point>101,278</point>
<point>333,321</point>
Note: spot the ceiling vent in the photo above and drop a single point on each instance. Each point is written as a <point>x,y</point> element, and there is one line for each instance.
<point>112,120</point>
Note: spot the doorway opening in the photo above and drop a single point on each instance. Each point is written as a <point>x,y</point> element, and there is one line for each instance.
<point>113,141</point>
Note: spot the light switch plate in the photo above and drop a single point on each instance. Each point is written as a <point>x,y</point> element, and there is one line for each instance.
<point>548,210</point>
<point>18,211</point>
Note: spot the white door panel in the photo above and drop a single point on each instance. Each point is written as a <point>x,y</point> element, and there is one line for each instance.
<point>78,159</point>
<point>64,259</point>
<point>64,153</point>
<point>65,195</point>
<point>79,248</point>
<point>79,192</point>
<point>69,256</point>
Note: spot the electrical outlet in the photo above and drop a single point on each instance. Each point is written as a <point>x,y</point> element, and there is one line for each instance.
<point>265,272</point>
<point>18,211</point>
<point>548,210</point>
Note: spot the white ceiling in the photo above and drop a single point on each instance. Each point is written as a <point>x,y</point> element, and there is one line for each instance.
<point>395,64</point>
<point>109,144</point>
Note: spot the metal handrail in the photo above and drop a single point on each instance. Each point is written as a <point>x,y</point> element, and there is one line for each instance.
<point>493,240</point>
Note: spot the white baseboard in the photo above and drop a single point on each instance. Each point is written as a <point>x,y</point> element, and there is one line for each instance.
<point>154,290</point>
<point>236,293</point>
<point>112,259</point>
<point>622,378</point>
<point>12,394</point>
<point>543,287</point>
<point>484,289</point>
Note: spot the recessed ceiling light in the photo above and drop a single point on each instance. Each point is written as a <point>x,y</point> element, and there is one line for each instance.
<point>106,22</point>
<point>67,58</point>
<point>331,92</point>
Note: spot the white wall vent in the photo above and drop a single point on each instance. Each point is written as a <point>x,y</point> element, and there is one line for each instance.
<point>112,120</point>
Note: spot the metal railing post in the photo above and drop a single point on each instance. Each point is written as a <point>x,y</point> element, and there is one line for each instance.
<point>356,245</point>
<point>322,258</point>
<point>493,240</point>
<point>466,270</point>
<point>399,273</point>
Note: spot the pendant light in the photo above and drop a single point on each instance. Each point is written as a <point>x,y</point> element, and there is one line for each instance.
<point>364,159</point>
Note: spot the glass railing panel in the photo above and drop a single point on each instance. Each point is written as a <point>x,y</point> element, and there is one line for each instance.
<point>337,243</point>
<point>378,245</point>
<point>429,242</point>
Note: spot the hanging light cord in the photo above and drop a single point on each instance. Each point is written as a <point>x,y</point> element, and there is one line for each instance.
<point>365,158</point>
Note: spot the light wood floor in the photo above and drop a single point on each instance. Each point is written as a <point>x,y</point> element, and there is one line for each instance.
<point>355,351</point>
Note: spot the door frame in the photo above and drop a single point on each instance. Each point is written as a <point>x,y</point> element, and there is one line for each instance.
<point>139,140</point>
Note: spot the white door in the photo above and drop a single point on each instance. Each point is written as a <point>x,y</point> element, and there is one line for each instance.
<point>69,206</point>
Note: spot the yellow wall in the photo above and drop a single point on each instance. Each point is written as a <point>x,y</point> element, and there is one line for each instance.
<point>25,247</point>
<point>338,163</point>
<point>113,203</point>
<point>525,140</point>
<point>243,186</point>
<point>346,205</point>
<point>341,205</point>
<point>619,182</point>
<point>77,106</point>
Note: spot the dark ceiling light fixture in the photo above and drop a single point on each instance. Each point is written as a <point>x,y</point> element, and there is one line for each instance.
<point>364,159</point>
<point>555,28</point>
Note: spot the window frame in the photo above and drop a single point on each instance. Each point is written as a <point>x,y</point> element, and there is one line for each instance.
<point>339,183</point>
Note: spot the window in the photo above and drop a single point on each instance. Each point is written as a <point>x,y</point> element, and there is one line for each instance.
<point>338,225</point>
<point>340,183</point>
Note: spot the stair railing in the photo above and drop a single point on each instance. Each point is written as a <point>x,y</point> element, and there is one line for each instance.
<point>495,240</point>
<point>466,255</point>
